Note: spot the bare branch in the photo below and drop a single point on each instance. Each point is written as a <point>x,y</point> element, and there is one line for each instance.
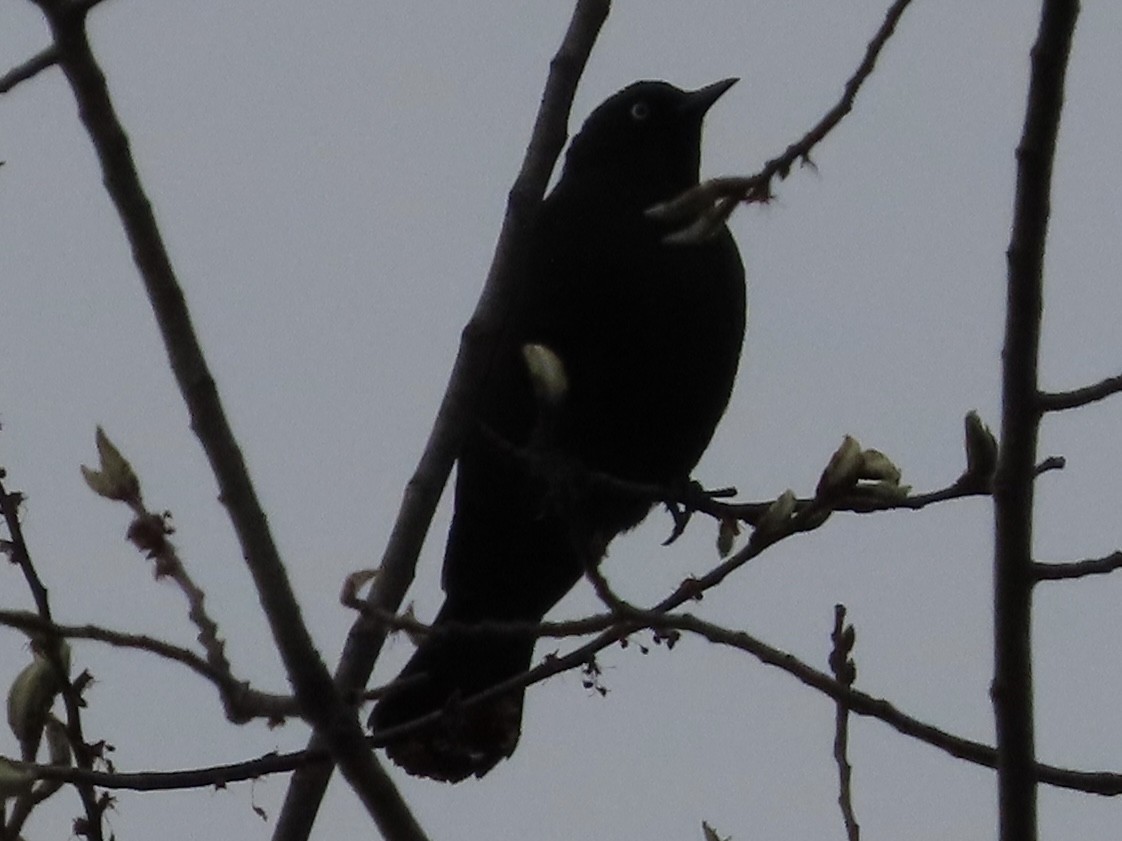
<point>715,200</point>
<point>1077,569</point>
<point>216,776</point>
<point>32,67</point>
<point>241,699</point>
<point>1057,401</point>
<point>683,500</point>
<point>320,702</point>
<point>364,642</point>
<point>21,555</point>
<point>1093,782</point>
<point>116,479</point>
<point>1020,425</point>
<point>845,673</point>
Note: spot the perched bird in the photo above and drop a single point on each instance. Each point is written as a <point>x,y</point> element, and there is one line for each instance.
<point>648,336</point>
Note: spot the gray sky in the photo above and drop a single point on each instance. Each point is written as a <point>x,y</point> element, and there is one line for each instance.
<point>330,180</point>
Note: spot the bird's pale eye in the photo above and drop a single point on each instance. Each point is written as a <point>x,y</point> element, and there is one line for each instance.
<point>640,111</point>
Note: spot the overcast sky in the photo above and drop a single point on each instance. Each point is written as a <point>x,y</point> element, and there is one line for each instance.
<point>330,179</point>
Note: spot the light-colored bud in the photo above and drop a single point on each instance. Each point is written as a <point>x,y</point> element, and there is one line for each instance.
<point>876,466</point>
<point>114,478</point>
<point>777,515</point>
<point>844,468</point>
<point>547,374</point>
<point>29,699</point>
<point>981,448</point>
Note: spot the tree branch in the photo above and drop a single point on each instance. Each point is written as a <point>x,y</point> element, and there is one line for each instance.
<point>1013,482</point>
<point>1093,782</point>
<point>1057,401</point>
<point>244,701</point>
<point>1077,569</point>
<point>712,202</point>
<point>21,555</point>
<point>316,694</point>
<point>30,68</point>
<point>845,673</point>
<point>364,642</point>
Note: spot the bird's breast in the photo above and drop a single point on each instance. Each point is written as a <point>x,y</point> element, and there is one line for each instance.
<point>649,332</point>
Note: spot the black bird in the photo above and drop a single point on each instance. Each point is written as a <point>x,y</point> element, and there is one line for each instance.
<point>649,334</point>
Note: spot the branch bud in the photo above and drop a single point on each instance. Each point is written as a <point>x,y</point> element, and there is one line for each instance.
<point>30,698</point>
<point>114,478</point>
<point>778,515</point>
<point>843,470</point>
<point>547,374</point>
<point>981,449</point>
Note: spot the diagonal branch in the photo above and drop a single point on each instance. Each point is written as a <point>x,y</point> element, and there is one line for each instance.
<point>319,701</point>
<point>710,203</point>
<point>242,701</point>
<point>1104,783</point>
<point>364,642</point>
<point>1092,782</point>
<point>30,68</point>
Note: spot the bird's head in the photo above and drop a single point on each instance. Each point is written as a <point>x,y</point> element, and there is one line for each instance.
<point>646,138</point>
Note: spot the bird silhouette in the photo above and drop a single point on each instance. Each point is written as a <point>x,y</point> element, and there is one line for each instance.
<point>644,336</point>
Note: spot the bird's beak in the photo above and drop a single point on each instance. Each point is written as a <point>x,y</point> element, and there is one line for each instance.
<point>699,101</point>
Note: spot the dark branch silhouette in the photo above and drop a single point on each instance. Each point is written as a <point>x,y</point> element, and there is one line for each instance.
<point>328,704</point>
<point>245,701</point>
<point>1020,422</point>
<point>364,642</point>
<point>1077,569</point>
<point>29,69</point>
<point>845,672</point>
<point>84,756</point>
<point>1093,782</point>
<point>710,203</point>
<point>1057,401</point>
<point>316,694</point>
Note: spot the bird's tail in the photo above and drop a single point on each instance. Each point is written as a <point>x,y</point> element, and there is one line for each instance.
<point>447,670</point>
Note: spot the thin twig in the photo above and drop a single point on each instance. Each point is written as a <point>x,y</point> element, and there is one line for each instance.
<point>1093,782</point>
<point>247,702</point>
<point>83,755</point>
<point>150,532</point>
<point>214,776</point>
<point>1056,401</point>
<point>845,673</point>
<point>684,500</point>
<point>1102,783</point>
<point>1077,569</point>
<point>30,68</point>
<point>726,192</point>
